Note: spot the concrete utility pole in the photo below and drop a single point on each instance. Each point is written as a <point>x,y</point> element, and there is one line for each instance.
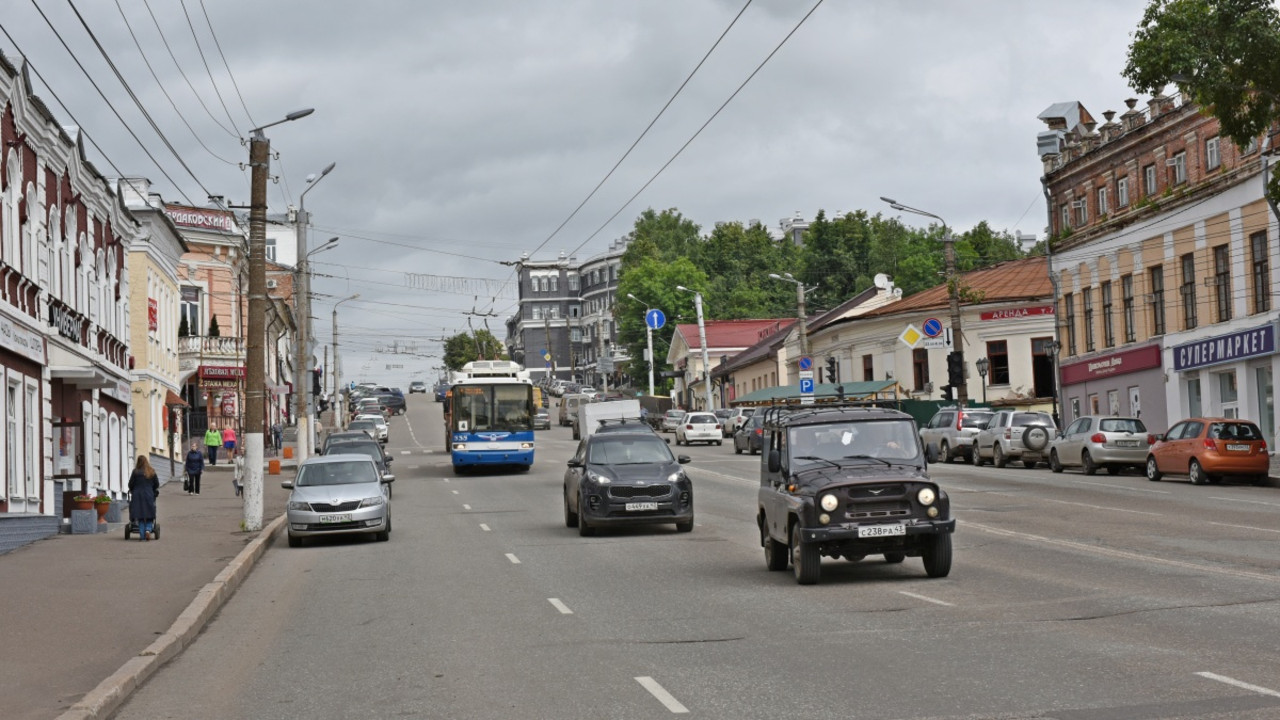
<point>302,304</point>
<point>802,314</point>
<point>255,362</point>
<point>702,340</point>
<point>340,414</point>
<point>648,337</point>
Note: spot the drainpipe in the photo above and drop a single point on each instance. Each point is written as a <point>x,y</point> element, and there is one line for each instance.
<point>1053,280</point>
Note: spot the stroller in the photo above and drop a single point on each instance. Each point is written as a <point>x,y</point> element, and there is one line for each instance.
<point>132,527</point>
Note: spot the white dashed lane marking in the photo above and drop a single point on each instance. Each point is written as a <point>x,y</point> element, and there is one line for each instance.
<point>484,527</point>
<point>514,560</point>
<point>564,609</point>
<point>406,452</point>
<point>466,507</point>
<point>926,599</point>
<point>1239,683</point>
<point>663,696</point>
<point>1246,527</point>
<point>455,492</point>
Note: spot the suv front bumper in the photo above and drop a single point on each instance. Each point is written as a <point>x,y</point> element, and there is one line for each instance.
<point>849,531</point>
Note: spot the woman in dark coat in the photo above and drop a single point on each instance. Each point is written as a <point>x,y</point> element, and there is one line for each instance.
<point>144,486</point>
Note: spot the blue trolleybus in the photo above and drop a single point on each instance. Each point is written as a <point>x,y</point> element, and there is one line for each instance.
<point>489,415</point>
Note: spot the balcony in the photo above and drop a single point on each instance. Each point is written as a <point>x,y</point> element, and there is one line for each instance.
<point>196,350</point>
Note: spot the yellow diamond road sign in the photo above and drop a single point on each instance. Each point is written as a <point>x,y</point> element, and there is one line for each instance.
<point>911,336</point>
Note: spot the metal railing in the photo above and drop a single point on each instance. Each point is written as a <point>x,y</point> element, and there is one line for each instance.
<point>202,344</point>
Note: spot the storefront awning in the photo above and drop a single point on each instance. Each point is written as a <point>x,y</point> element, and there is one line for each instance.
<point>171,399</point>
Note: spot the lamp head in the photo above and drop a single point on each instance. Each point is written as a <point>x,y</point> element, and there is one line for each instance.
<point>891,201</point>
<point>299,114</point>
<point>683,288</point>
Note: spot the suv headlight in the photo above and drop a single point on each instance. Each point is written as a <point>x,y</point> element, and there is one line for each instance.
<point>371,501</point>
<point>597,478</point>
<point>676,476</point>
<point>926,496</point>
<point>830,502</point>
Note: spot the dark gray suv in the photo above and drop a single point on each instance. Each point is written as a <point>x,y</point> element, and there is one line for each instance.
<point>626,476</point>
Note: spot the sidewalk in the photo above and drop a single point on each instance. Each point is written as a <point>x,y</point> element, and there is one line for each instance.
<point>75,608</point>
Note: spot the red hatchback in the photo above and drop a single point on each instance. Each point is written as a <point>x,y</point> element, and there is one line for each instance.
<point>1207,449</point>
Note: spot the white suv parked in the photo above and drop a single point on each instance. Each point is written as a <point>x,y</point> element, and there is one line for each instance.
<point>1014,435</point>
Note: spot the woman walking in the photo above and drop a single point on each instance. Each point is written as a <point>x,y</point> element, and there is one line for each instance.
<point>213,440</point>
<point>229,440</point>
<point>194,466</point>
<point>144,486</point>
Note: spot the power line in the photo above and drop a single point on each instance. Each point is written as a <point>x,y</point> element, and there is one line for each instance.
<point>172,56</point>
<point>225,64</point>
<point>700,129</point>
<point>205,60</point>
<point>406,245</point>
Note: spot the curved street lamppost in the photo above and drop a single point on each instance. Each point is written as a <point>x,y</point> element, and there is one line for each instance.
<point>648,336</point>
<point>1053,347</point>
<point>702,340</point>
<point>982,364</point>
<point>254,428</point>
<point>949,249</point>
<point>302,307</point>
<point>339,413</point>
<point>801,313</point>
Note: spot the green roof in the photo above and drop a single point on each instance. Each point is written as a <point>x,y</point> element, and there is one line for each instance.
<point>866,390</point>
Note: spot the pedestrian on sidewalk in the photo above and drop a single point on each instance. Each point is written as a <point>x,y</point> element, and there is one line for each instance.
<point>194,467</point>
<point>237,477</point>
<point>213,441</point>
<point>144,486</point>
<point>277,435</point>
<point>229,440</point>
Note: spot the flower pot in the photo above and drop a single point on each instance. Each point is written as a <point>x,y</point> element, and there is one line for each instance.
<point>102,509</point>
<point>82,504</point>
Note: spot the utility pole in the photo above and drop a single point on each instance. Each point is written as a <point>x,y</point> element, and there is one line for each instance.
<point>339,414</point>
<point>551,371</point>
<point>702,340</point>
<point>302,304</point>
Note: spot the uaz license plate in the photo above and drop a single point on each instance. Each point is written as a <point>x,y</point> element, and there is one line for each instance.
<point>872,531</point>
<point>328,519</point>
<point>641,506</point>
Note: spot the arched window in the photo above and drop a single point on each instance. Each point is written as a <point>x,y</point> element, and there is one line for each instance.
<point>30,234</point>
<point>69,234</point>
<point>55,253</point>
<point>82,276</point>
<point>12,197</point>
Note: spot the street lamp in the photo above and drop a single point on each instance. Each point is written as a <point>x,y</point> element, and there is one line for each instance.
<point>949,250</point>
<point>648,336</point>
<point>702,339</point>
<point>1053,347</point>
<point>800,309</point>
<point>982,373</point>
<point>302,304</point>
<point>256,355</point>
<point>339,413</point>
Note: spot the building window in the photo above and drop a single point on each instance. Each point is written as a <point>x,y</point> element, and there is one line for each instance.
<point>537,312</point>
<point>575,334</point>
<point>1188,291</point>
<point>190,310</point>
<point>1108,321</point>
<point>1180,168</point>
<point>1212,159</point>
<point>1082,212</point>
<point>1261,272</point>
<point>11,443</point>
<point>1222,281</point>
<point>271,249</point>
<point>998,362</point>
<point>555,283</point>
<point>1149,180</point>
<point>868,370</point>
<point>575,311</point>
<point>1086,297</point>
<point>1069,301</point>
<point>1126,299</point>
<point>919,367</point>
<point>1156,299</point>
<point>31,447</point>
<point>1250,147</point>
<point>1104,202</point>
<point>1066,220</point>
<point>1122,192</point>
<point>573,283</point>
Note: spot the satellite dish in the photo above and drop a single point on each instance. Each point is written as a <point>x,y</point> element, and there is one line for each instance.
<point>897,292</point>
<point>882,281</point>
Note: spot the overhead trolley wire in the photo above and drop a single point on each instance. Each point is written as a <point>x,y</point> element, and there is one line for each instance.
<point>205,60</point>
<point>199,98</point>
<point>225,64</point>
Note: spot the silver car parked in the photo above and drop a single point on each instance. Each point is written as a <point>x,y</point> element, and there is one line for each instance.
<point>338,495</point>
<point>1014,435</point>
<point>1096,441</point>
<point>949,433</point>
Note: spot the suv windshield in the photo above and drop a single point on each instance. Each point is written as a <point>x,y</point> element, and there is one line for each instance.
<point>1021,419</point>
<point>975,419</point>
<point>628,449</point>
<point>882,439</point>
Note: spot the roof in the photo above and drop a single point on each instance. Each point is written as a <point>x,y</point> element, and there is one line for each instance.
<point>731,333</point>
<point>761,349</point>
<point>864,390</point>
<point>1024,279</point>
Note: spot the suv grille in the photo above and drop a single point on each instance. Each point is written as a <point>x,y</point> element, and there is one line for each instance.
<point>340,507</point>
<point>875,493</point>
<point>864,511</point>
<point>626,491</point>
<point>869,502</point>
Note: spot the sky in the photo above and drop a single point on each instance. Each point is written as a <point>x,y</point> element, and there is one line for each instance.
<point>466,133</point>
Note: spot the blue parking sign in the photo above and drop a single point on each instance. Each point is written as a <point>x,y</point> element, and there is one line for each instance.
<point>806,385</point>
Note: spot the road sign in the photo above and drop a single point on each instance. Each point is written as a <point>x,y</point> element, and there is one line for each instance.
<point>806,363</point>
<point>655,319</point>
<point>911,336</point>
<point>546,356</point>
<point>932,327</point>
<point>806,385</point>
<point>937,343</point>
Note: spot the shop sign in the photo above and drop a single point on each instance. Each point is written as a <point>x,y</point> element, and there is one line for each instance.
<point>232,384</point>
<point>66,322</point>
<point>201,218</point>
<point>19,340</point>
<point>1017,313</point>
<point>221,372</point>
<point>1119,363</point>
<point>153,315</point>
<point>1254,342</point>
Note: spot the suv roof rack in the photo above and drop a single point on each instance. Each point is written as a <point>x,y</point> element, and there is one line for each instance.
<point>775,414</point>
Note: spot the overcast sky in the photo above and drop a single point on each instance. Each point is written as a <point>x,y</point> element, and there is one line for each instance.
<point>466,132</point>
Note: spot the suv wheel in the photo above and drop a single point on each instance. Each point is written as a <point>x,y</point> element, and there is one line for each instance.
<point>805,560</point>
<point>1153,472</point>
<point>1054,463</point>
<point>570,517</point>
<point>945,451</point>
<point>584,530</point>
<point>997,456</point>
<point>1086,460</point>
<point>975,455</point>
<point>937,556</point>
<point>775,553</point>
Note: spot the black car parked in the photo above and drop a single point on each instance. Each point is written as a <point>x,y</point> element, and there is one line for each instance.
<point>392,401</point>
<point>357,443</point>
<point>626,476</point>
<point>750,437</point>
<point>848,482</point>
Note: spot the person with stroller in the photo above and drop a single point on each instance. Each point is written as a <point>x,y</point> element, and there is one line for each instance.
<point>194,466</point>
<point>144,486</point>
<point>213,440</point>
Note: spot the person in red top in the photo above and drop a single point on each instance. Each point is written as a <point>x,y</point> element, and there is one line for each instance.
<point>229,440</point>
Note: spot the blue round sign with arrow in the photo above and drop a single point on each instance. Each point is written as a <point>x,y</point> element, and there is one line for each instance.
<point>655,319</point>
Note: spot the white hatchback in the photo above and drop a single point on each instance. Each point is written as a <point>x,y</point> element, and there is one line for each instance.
<point>700,427</point>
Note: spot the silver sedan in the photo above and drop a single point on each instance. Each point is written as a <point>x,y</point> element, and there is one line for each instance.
<point>338,495</point>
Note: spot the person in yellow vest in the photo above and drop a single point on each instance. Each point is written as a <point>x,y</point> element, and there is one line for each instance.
<point>213,441</point>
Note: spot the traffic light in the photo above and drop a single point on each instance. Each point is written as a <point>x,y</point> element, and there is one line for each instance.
<point>833,370</point>
<point>315,382</point>
<point>946,393</point>
<point>955,369</point>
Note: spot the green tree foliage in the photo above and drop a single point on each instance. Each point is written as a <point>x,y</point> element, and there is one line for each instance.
<point>464,347</point>
<point>183,328</point>
<point>654,282</point>
<point>213,327</point>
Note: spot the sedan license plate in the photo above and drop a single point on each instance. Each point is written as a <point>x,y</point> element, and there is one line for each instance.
<point>872,531</point>
<point>328,519</point>
<point>639,507</point>
<point>1236,447</point>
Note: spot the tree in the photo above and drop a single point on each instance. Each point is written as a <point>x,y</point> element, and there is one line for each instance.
<point>1224,55</point>
<point>183,328</point>
<point>654,281</point>
<point>465,347</point>
<point>213,327</point>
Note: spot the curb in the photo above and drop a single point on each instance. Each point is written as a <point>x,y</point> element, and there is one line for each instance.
<point>111,693</point>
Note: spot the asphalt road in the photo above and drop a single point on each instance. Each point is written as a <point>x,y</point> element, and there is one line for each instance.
<point>1070,597</point>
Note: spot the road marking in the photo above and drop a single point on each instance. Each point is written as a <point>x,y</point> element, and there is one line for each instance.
<point>1102,507</point>
<point>406,452</point>
<point>1237,683</point>
<point>446,479</point>
<point>455,492</point>
<point>564,609</point>
<point>1246,527</point>
<point>926,599</point>
<point>663,696</point>
<point>484,527</point>
<point>514,560</point>
<point>1251,502</point>
<point>1123,487</point>
<point>414,467</point>
<point>466,507</point>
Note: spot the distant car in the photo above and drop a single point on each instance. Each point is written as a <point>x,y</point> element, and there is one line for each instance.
<point>736,418</point>
<point>1101,441</point>
<point>723,416</point>
<point>699,427</point>
<point>380,424</point>
<point>441,390</point>
<point>338,495</point>
<point>1014,435</point>
<point>542,419</point>
<point>671,420</point>
<point>626,477</point>
<point>1209,449</point>
<point>366,425</point>
<point>949,433</point>
<point>334,439</point>
<point>750,436</point>
<point>393,402</point>
<point>417,386</point>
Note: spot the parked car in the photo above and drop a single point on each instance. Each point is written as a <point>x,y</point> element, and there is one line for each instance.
<point>750,436</point>
<point>338,495</point>
<point>722,417</point>
<point>334,439</point>
<point>699,427</point>
<point>736,418</point>
<point>379,424</point>
<point>542,419</point>
<point>1209,449</point>
<point>1101,441</point>
<point>626,476</point>
<point>949,433</point>
<point>365,425</point>
<point>417,386</point>
<point>671,420</point>
<point>1014,435</point>
<point>849,482</point>
<point>392,401</point>
<point>569,408</point>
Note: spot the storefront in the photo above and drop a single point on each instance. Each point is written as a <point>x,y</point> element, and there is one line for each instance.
<point>1228,375</point>
<point>218,389</point>
<point>22,361</point>
<point>1129,383</point>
